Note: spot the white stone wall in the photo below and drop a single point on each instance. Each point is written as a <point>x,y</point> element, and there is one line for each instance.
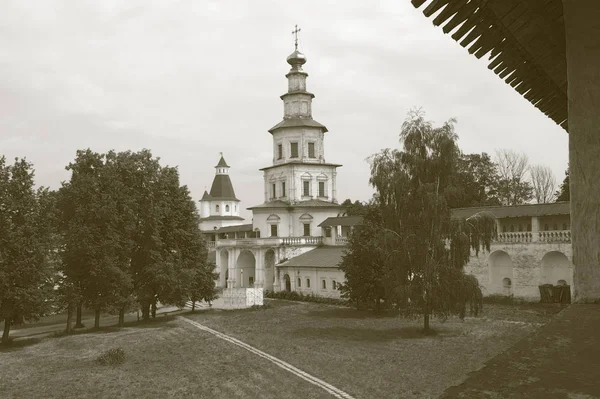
<point>290,224</point>
<point>302,136</point>
<point>316,277</point>
<point>211,224</point>
<point>294,175</point>
<point>527,267</point>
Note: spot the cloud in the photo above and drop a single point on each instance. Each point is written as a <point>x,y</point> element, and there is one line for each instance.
<point>190,79</point>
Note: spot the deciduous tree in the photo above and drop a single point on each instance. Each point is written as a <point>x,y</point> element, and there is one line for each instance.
<point>543,183</point>
<point>563,193</point>
<point>421,249</point>
<point>512,187</point>
<point>25,245</point>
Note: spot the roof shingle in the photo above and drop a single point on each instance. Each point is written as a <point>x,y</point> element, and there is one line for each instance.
<point>325,257</point>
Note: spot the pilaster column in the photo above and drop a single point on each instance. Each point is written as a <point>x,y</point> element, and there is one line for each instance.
<point>333,187</point>
<point>231,268</point>
<point>259,275</point>
<point>582,34</point>
<point>535,229</point>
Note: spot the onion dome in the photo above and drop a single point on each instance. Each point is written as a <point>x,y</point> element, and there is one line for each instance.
<point>296,59</point>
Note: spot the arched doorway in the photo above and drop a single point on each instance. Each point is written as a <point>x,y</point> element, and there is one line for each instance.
<point>501,273</point>
<point>556,269</point>
<point>223,268</point>
<point>269,269</point>
<point>245,269</point>
<point>288,283</point>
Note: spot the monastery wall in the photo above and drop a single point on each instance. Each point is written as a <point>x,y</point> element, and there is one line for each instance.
<point>527,265</point>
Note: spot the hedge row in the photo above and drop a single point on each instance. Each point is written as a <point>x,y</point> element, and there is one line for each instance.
<point>298,296</point>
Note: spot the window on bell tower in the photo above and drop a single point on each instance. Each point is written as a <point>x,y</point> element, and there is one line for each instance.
<point>273,191</point>
<point>279,151</point>
<point>322,189</point>
<point>283,193</point>
<point>293,150</point>
<point>311,150</point>
<point>305,188</point>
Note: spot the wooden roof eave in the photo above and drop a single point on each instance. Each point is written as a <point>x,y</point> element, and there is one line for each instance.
<point>496,27</point>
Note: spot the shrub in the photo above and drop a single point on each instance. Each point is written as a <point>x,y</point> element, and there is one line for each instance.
<point>112,357</point>
<point>297,296</point>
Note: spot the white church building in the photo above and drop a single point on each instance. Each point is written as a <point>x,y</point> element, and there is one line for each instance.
<point>298,234</point>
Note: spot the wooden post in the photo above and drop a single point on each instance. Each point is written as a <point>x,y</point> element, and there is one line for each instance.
<point>582,32</point>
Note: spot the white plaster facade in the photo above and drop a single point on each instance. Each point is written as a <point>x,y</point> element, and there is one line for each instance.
<point>537,251</point>
<point>299,193</point>
<point>220,208</point>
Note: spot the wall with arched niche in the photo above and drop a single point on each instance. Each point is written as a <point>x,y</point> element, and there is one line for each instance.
<point>501,273</point>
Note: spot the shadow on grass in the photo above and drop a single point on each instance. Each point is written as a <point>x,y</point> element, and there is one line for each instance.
<point>17,344</point>
<point>368,335</point>
<point>159,322</point>
<point>349,313</point>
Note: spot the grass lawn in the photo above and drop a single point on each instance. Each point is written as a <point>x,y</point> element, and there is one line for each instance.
<point>165,360</point>
<point>379,357</point>
<point>364,355</point>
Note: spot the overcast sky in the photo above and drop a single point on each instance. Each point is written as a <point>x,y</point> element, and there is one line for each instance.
<point>188,79</point>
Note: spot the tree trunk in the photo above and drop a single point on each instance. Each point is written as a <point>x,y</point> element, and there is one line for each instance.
<point>154,308</point>
<point>97,318</point>
<point>193,306</point>
<point>426,321</point>
<point>146,311</point>
<point>78,323</point>
<point>121,317</point>
<point>6,331</point>
<point>69,318</point>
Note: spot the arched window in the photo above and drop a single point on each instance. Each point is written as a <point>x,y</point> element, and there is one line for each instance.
<point>512,228</point>
<point>520,227</point>
<point>334,285</point>
<point>564,226</point>
<point>507,285</point>
<point>555,227</point>
<point>226,208</point>
<point>217,208</point>
<point>299,282</point>
<point>546,227</point>
<point>307,283</point>
<point>324,284</point>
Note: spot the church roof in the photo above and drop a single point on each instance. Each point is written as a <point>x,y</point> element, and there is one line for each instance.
<point>301,163</point>
<point>297,122</point>
<point>326,257</point>
<point>233,229</point>
<point>222,189</point>
<point>219,217</point>
<point>556,208</point>
<point>342,221</point>
<point>222,163</point>
<point>525,41</point>
<point>205,196</point>
<point>313,203</point>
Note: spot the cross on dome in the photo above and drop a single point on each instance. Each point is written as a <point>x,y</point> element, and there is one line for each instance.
<point>295,33</point>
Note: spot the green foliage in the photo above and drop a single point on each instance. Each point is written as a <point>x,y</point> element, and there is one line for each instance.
<point>409,254</point>
<point>355,208</point>
<point>112,357</point>
<point>25,245</point>
<point>564,193</point>
<point>475,182</point>
<point>131,235</point>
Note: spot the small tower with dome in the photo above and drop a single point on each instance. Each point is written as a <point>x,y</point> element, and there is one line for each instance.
<point>220,207</point>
